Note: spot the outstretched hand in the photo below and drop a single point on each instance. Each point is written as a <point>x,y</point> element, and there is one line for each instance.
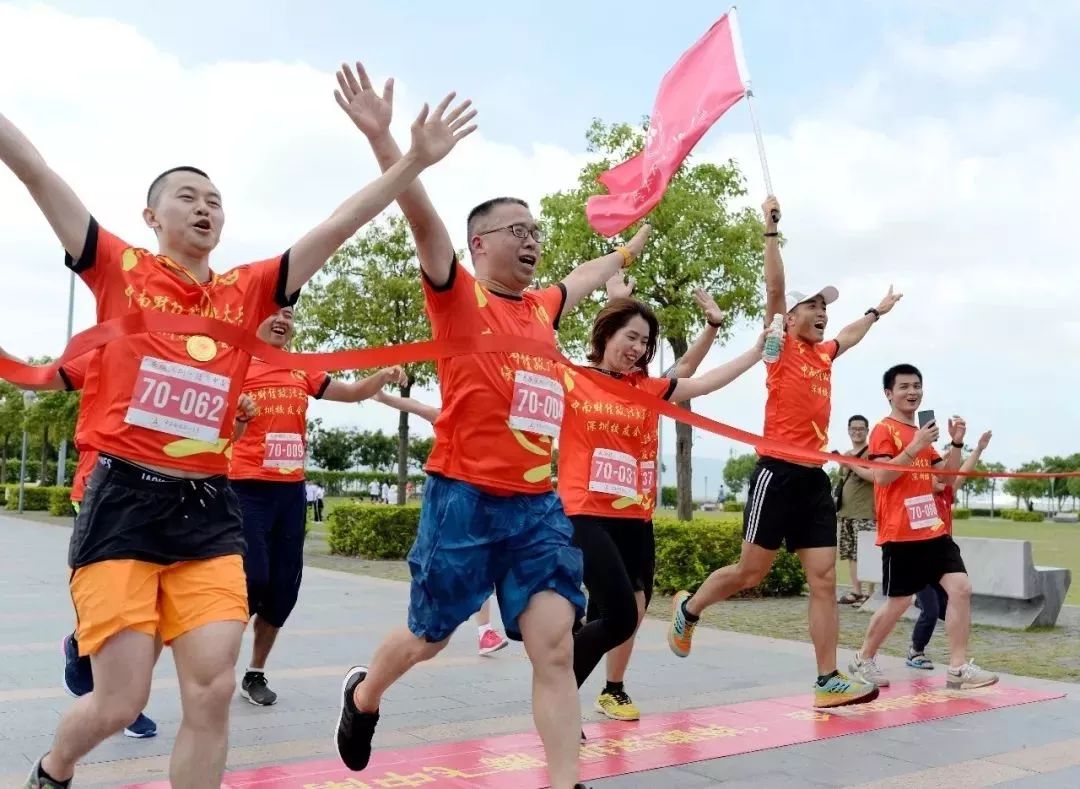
<point>889,301</point>
<point>713,313</point>
<point>434,134</point>
<point>365,107</point>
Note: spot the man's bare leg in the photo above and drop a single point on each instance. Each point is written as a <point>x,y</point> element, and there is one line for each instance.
<point>122,671</point>
<point>546,631</point>
<point>206,667</point>
<point>754,564</point>
<point>957,616</point>
<point>819,564</point>
<point>398,652</point>
<point>265,636</point>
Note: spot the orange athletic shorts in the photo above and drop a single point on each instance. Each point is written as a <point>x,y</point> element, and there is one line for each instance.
<point>170,599</point>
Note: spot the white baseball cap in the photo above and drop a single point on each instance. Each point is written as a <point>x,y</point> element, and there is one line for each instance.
<point>795,298</point>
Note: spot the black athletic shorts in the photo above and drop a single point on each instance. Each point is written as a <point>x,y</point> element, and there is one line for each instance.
<point>909,567</point>
<point>789,503</point>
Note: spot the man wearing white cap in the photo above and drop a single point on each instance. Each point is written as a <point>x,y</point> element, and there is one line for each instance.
<point>790,500</point>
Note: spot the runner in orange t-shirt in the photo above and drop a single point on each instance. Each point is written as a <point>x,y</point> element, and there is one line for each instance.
<point>267,474</point>
<point>489,515</point>
<point>605,439</point>
<point>790,501</point>
<point>917,549</point>
<point>158,543</point>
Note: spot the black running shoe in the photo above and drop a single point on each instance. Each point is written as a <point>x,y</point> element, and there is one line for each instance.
<point>355,729</point>
<point>255,690</point>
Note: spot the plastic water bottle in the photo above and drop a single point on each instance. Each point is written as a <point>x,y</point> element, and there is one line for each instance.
<point>775,340</point>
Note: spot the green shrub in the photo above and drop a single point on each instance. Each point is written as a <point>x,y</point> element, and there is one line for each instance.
<point>669,496</point>
<point>734,506</point>
<point>60,502</point>
<point>687,552</point>
<point>1023,516</point>
<point>375,531</point>
<point>961,514</point>
<point>34,498</point>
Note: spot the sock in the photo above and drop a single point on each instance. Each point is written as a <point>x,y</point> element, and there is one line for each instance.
<point>613,687</point>
<point>824,678</point>
<point>686,614</point>
<point>44,775</point>
<point>256,670</point>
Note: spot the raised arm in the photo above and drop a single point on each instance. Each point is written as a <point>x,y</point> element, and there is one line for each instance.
<point>775,287</point>
<point>408,405</point>
<point>957,431</point>
<point>57,383</point>
<point>718,377</point>
<point>372,113</point>
<point>355,391</point>
<point>62,208</point>
<point>592,275</point>
<point>688,364</point>
<point>852,334</point>
<point>434,135</point>
<point>972,461</point>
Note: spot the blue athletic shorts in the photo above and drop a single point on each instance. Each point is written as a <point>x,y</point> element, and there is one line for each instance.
<point>469,541</point>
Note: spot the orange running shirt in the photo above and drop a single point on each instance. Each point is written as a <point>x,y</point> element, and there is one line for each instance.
<point>169,400</point>
<point>945,500</point>
<point>906,509</point>
<point>81,374</point>
<point>799,402</point>
<point>274,444</point>
<point>500,412</point>
<point>607,448</point>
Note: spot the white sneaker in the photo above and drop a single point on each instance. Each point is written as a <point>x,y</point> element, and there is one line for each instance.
<point>968,677</point>
<point>868,670</point>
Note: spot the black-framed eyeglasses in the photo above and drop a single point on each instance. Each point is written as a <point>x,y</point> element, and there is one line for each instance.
<point>520,230</point>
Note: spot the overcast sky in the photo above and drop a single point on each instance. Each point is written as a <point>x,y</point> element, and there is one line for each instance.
<point>933,146</point>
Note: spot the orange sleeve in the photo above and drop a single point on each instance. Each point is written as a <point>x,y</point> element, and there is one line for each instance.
<point>268,280</point>
<point>443,298</point>
<point>101,263</point>
<point>935,457</point>
<point>659,387</point>
<point>553,299</point>
<point>881,443</point>
<point>74,372</point>
<point>317,383</point>
<point>831,347</point>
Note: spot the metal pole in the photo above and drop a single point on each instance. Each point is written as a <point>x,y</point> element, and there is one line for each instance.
<point>28,400</point>
<point>61,456</point>
<point>660,442</point>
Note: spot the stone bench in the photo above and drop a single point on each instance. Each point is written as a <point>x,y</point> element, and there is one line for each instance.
<point>1066,517</point>
<point>1008,588</point>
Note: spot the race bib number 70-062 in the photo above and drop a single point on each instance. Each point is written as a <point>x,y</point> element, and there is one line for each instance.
<point>179,400</point>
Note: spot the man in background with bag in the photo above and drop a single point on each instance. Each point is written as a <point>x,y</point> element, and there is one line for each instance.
<point>855,509</point>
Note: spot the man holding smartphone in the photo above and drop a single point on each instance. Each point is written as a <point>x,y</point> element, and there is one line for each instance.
<point>916,548</point>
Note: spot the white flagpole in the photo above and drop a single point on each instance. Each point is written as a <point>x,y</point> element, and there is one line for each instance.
<point>744,73</point>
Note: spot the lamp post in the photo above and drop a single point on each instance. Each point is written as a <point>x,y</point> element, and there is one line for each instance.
<point>28,401</point>
<point>61,458</point>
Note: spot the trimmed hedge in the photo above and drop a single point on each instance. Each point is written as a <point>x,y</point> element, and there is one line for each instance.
<point>685,552</point>
<point>734,506</point>
<point>60,502</point>
<point>961,514</point>
<point>1023,516</point>
<point>372,531</point>
<point>34,498</point>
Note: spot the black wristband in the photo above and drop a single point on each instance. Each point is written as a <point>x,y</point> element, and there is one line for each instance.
<point>719,325</point>
<point>874,312</point>
<point>958,446</point>
<point>773,234</point>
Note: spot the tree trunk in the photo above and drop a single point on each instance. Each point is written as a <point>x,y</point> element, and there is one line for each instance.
<point>684,445</point>
<point>3,462</point>
<point>44,455</point>
<point>403,448</point>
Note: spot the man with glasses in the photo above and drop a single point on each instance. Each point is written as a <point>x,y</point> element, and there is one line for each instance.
<point>489,516</point>
<point>855,509</point>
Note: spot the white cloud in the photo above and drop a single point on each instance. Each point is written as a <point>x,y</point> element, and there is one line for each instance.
<point>966,210</point>
<point>1013,47</point>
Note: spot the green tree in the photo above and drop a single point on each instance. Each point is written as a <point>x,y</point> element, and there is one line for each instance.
<point>11,424</point>
<point>1058,487</point>
<point>377,451</point>
<point>333,448</point>
<point>700,240</point>
<point>369,295</point>
<point>1026,489</point>
<point>987,485</point>
<point>420,449</point>
<point>737,471</point>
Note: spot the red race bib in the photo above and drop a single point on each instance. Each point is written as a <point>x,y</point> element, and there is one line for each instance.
<point>647,477</point>
<point>284,450</point>
<point>537,405</point>
<point>179,400</point>
<point>613,472</point>
<point>922,512</point>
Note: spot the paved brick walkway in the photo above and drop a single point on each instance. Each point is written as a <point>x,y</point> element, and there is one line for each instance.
<point>460,695</point>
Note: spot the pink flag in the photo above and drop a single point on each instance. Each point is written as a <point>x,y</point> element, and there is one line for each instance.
<point>708,79</point>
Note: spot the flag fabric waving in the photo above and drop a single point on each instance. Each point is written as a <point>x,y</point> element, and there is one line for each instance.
<point>707,80</point>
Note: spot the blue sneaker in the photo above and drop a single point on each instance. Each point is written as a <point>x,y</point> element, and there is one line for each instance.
<point>142,728</point>
<point>78,676</point>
